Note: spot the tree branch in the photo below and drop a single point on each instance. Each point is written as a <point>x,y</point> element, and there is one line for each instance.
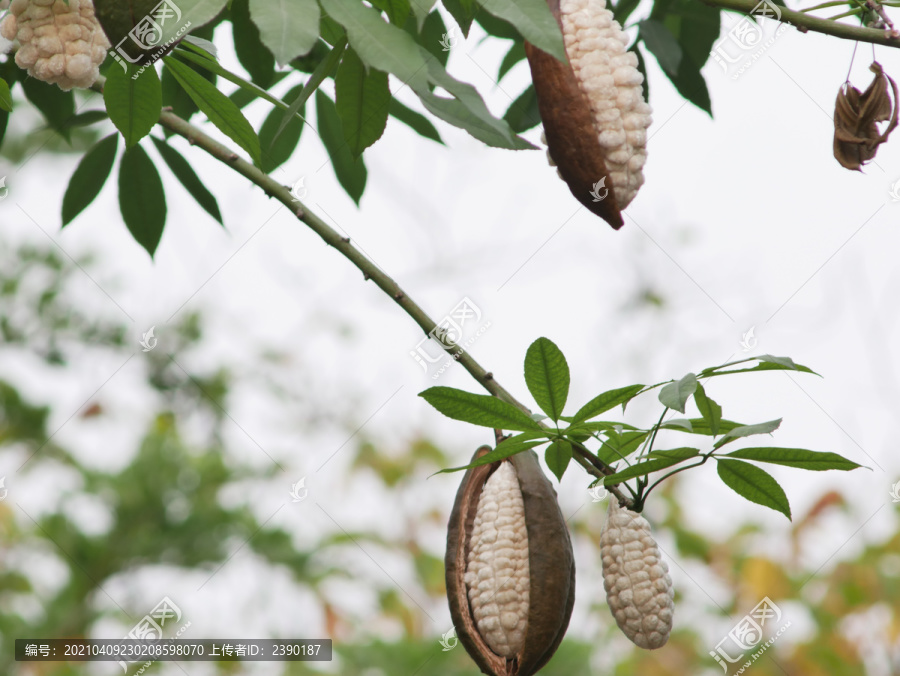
<point>804,22</point>
<point>370,271</point>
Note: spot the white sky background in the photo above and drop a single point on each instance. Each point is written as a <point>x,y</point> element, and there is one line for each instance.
<point>745,221</point>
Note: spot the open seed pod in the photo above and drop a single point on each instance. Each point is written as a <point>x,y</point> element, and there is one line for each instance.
<point>856,135</point>
<point>595,117</point>
<point>60,43</point>
<point>509,566</point>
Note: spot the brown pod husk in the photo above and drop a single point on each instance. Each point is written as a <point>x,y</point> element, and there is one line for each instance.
<point>569,128</point>
<point>856,135</point>
<point>551,566</point>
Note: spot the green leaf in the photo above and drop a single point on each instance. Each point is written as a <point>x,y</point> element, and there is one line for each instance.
<point>478,409</point>
<point>256,59</point>
<point>434,37</point>
<point>690,84</point>
<point>416,121</point>
<point>141,198</point>
<point>173,95</point>
<point>220,110</point>
<point>623,10</point>
<point>515,54</point>
<point>771,362</point>
<point>4,120</point>
<point>660,41</point>
<point>397,10</point>
<point>55,105</point>
<point>421,9</point>
<point>133,102</point>
<point>182,170</point>
<point>768,363</point>
<point>5,96</point>
<point>547,376</point>
<point>557,456</point>
<point>275,154</point>
<point>362,99</point>
<point>533,19</point>
<point>391,49</point>
<point>709,409</point>
<point>605,401</point>
<point>505,449</point>
<point>801,458</point>
<point>647,466</point>
<point>463,12</point>
<point>678,423</point>
<point>681,453</point>
<point>89,177</point>
<point>378,43</point>
<point>480,125</point>
<point>694,25</point>
<point>755,484</point>
<point>326,67</point>
<point>748,430</point>
<point>202,59</point>
<point>701,426</point>
<point>675,395</point>
<point>523,113</point>
<point>86,119</point>
<point>618,446</point>
<point>350,171</point>
<point>289,28</point>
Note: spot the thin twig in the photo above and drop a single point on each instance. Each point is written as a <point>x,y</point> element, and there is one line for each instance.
<point>805,22</point>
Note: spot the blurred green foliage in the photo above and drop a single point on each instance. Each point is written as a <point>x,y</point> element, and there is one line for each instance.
<point>39,317</point>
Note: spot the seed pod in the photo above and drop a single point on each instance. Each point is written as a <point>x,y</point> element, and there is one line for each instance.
<point>60,43</point>
<point>638,586</point>
<point>595,117</point>
<point>509,566</point>
<point>856,133</point>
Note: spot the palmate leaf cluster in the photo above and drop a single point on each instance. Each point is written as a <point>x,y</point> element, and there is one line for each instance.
<point>628,452</point>
<point>370,52</point>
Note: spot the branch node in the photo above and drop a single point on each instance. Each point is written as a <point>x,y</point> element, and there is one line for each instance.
<point>299,212</point>
<point>398,296</point>
<point>233,157</point>
<point>366,276</point>
<point>488,376</point>
<point>345,240</point>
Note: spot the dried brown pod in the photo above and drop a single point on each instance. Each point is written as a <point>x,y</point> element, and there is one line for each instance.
<point>594,114</point>
<point>510,571</point>
<point>856,135</point>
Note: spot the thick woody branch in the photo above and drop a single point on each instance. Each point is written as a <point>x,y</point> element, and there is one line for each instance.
<point>805,22</point>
